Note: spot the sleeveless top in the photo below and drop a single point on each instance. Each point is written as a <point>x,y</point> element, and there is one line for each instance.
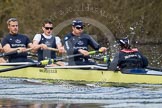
<point>47,54</point>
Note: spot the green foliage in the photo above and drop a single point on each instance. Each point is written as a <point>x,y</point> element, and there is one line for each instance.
<point>117,15</point>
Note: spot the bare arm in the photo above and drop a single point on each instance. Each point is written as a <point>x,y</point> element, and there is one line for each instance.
<point>7,48</point>
<point>60,48</point>
<point>37,46</point>
<point>59,45</point>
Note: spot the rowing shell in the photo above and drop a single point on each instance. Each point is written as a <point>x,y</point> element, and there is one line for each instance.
<point>86,74</point>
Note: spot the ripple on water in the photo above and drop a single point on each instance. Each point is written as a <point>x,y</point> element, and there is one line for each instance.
<point>113,96</point>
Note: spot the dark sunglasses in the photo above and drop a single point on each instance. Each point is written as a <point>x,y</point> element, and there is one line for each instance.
<point>79,28</point>
<point>47,28</point>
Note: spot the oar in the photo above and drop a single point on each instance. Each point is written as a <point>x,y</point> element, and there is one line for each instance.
<point>104,58</point>
<point>32,54</point>
<point>44,62</point>
<point>18,67</point>
<point>13,52</point>
<point>48,48</point>
<point>75,55</point>
<point>154,68</point>
<point>52,49</point>
<point>67,57</point>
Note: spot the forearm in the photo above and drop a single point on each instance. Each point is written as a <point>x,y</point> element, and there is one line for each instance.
<point>60,48</point>
<point>84,52</point>
<point>9,49</point>
<point>13,49</point>
<point>36,46</point>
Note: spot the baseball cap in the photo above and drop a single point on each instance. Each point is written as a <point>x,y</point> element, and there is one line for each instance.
<point>77,23</point>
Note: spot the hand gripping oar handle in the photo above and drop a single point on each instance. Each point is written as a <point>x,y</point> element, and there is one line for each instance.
<point>17,51</point>
<point>52,49</point>
<point>27,50</point>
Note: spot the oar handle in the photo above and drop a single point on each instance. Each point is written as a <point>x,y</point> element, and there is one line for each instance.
<point>52,49</point>
<point>13,52</point>
<point>19,51</point>
<point>94,52</point>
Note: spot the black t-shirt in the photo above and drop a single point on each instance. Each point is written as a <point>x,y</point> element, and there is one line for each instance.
<point>16,41</point>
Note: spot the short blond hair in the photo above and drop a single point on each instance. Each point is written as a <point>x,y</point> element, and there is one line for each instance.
<point>11,19</point>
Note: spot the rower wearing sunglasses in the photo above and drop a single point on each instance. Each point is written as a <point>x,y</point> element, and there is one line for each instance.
<point>46,40</point>
<point>77,42</point>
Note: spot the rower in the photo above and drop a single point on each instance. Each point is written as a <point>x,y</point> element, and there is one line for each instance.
<point>77,42</point>
<point>128,57</point>
<point>14,41</point>
<point>44,40</point>
<point>45,43</point>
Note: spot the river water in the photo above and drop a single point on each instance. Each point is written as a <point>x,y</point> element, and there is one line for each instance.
<point>22,93</point>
